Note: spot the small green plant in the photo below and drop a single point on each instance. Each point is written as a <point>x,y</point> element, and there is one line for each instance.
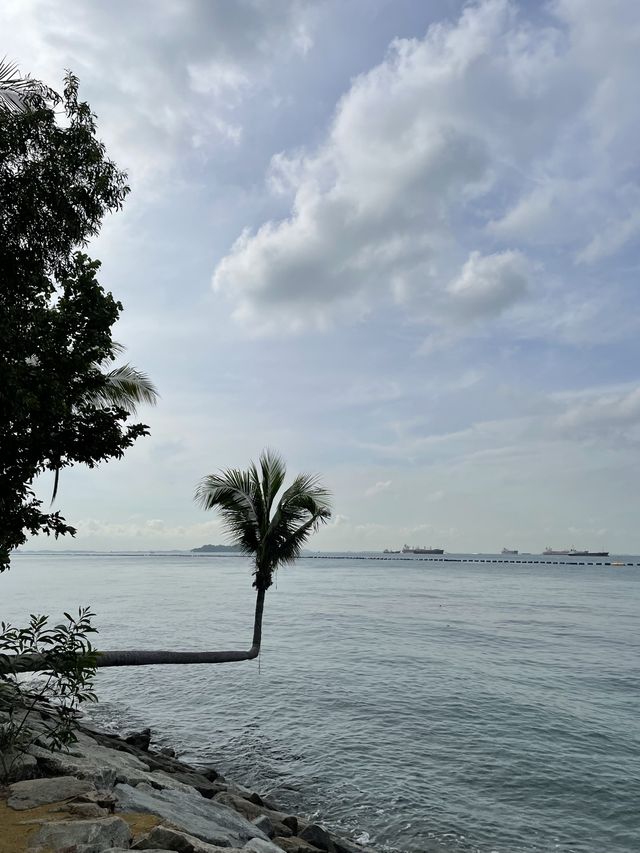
<point>42,710</point>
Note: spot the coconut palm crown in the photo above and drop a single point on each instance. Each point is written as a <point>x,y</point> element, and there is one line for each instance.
<point>274,533</point>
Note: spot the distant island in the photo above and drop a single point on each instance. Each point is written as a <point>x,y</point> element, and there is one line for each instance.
<point>216,549</point>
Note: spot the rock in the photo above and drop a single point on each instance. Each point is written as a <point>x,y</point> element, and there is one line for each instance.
<point>210,773</point>
<point>86,810</point>
<point>291,822</point>
<point>282,824</point>
<point>102,799</point>
<point>141,739</point>
<point>343,845</point>
<point>208,820</point>
<point>102,765</point>
<point>257,845</point>
<point>156,761</point>
<point>173,839</point>
<point>316,835</point>
<point>294,844</point>
<point>263,823</point>
<point>20,766</point>
<point>83,836</point>
<point>167,750</point>
<point>38,792</point>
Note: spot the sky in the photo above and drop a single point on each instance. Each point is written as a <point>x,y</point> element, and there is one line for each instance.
<point>396,241</point>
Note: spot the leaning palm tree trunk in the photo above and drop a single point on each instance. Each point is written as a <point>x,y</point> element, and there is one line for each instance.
<point>15,664</point>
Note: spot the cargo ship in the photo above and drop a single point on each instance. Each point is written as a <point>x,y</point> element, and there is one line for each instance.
<point>408,549</point>
<point>509,552</point>
<point>571,552</point>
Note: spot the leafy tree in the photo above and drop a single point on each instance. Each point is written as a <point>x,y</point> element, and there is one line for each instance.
<point>61,401</point>
<point>272,533</point>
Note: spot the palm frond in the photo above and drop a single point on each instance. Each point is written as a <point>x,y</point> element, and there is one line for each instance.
<point>232,492</point>
<point>126,388</point>
<point>273,471</point>
<point>245,500</point>
<point>18,92</point>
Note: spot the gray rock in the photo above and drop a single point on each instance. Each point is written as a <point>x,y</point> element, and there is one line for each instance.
<point>316,835</point>
<point>140,739</point>
<point>257,845</point>
<point>263,823</point>
<point>20,765</point>
<point>86,810</point>
<point>282,824</point>
<point>101,765</point>
<point>83,836</point>
<point>176,841</point>
<point>206,819</point>
<point>295,844</point>
<point>168,750</point>
<point>38,792</point>
<point>343,845</point>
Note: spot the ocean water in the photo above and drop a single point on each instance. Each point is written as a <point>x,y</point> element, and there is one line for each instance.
<point>416,705</point>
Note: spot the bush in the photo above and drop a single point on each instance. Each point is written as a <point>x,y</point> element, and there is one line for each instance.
<point>70,663</point>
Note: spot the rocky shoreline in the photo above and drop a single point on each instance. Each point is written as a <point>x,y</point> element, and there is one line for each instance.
<point>110,794</point>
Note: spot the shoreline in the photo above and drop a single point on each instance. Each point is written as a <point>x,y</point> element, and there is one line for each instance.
<point>111,793</point>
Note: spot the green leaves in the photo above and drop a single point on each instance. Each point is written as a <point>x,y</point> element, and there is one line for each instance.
<point>246,501</point>
<point>68,653</point>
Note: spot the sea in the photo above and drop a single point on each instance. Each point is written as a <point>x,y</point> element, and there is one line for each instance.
<point>468,704</point>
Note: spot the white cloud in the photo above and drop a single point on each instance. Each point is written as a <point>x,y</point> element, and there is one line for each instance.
<point>163,75</point>
<point>377,488</point>
<point>488,130</point>
<point>488,284</point>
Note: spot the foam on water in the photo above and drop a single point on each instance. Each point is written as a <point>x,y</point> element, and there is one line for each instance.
<point>420,705</point>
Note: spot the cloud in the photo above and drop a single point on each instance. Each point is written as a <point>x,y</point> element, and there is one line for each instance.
<point>449,170</point>
<point>488,284</point>
<point>377,488</point>
<point>602,415</point>
<point>164,76</point>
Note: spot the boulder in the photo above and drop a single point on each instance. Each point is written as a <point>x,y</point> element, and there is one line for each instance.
<point>208,820</point>
<point>294,844</point>
<point>343,845</point>
<point>102,799</point>
<point>176,841</point>
<point>282,824</point>
<point>19,765</point>
<point>104,766</point>
<point>86,810</point>
<point>318,836</point>
<point>83,836</point>
<point>158,761</point>
<point>38,792</point>
<point>257,845</point>
<point>140,739</point>
<point>168,750</point>
<point>263,822</point>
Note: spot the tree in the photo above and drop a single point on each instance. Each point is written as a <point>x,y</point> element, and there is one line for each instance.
<point>245,500</point>
<point>272,534</point>
<point>61,400</point>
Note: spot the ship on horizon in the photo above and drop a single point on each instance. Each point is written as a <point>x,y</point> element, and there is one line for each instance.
<point>572,552</point>
<point>409,549</point>
<point>510,552</point>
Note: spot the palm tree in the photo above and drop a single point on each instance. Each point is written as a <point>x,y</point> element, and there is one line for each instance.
<point>19,93</point>
<point>273,534</point>
<point>245,500</point>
